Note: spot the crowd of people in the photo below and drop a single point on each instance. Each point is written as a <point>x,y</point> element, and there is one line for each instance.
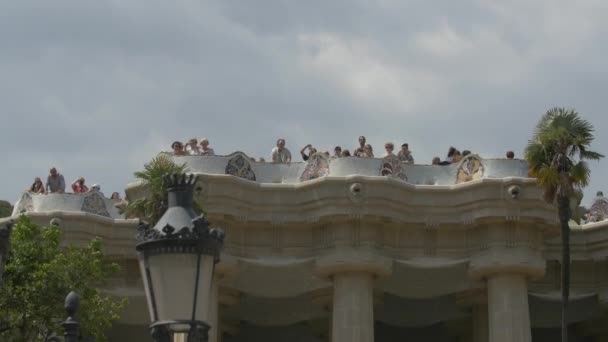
<point>55,183</point>
<point>192,148</point>
<point>280,154</point>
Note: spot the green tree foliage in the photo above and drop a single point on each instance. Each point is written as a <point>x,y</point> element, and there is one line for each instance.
<point>6,209</point>
<point>557,155</point>
<point>39,274</point>
<point>154,205</point>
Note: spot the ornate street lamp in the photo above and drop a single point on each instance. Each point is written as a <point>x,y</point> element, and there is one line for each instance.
<point>177,259</point>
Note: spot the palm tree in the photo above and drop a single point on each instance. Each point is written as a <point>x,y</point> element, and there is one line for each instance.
<point>557,155</point>
<point>154,205</point>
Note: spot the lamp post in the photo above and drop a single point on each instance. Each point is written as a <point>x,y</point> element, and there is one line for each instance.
<point>71,326</point>
<point>177,258</point>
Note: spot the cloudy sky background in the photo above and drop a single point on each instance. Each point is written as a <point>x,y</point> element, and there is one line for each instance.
<point>97,88</point>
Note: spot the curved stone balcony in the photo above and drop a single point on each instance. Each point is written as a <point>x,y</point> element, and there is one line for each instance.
<point>240,165</point>
<point>92,202</point>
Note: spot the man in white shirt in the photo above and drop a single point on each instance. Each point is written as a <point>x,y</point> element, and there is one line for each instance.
<point>280,154</point>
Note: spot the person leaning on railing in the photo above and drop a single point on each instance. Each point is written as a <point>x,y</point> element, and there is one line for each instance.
<point>79,187</point>
<point>405,155</point>
<point>280,154</point>
<point>37,187</point>
<point>55,183</point>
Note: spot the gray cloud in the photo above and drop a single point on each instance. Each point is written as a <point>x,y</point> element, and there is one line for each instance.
<point>97,88</point>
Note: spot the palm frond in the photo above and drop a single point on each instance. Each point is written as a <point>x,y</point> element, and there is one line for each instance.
<point>591,155</point>
<point>537,156</point>
<point>153,206</point>
<point>580,174</point>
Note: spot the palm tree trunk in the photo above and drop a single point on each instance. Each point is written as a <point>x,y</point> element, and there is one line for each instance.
<point>564,218</point>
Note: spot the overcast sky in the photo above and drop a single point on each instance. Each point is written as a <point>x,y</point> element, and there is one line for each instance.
<point>97,88</point>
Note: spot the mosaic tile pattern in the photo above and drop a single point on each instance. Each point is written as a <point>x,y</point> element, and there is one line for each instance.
<point>470,168</point>
<point>599,209</point>
<point>239,166</point>
<point>317,166</point>
<point>392,166</point>
<point>94,203</point>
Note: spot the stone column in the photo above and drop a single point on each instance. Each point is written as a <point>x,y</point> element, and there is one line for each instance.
<point>353,307</point>
<point>353,271</point>
<point>508,255</point>
<point>508,311</point>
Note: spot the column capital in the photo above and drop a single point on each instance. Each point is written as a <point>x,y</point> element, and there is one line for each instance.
<point>495,261</point>
<point>351,260</point>
<point>508,248</point>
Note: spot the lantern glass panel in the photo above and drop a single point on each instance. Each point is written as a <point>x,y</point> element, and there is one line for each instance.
<point>142,269</point>
<point>173,277</point>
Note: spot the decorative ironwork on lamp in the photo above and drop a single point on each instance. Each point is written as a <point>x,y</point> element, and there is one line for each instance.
<point>177,258</point>
<point>71,326</point>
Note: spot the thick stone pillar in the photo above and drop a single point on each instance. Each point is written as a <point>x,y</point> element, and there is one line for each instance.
<point>353,271</point>
<point>353,307</point>
<point>508,311</point>
<point>506,256</point>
